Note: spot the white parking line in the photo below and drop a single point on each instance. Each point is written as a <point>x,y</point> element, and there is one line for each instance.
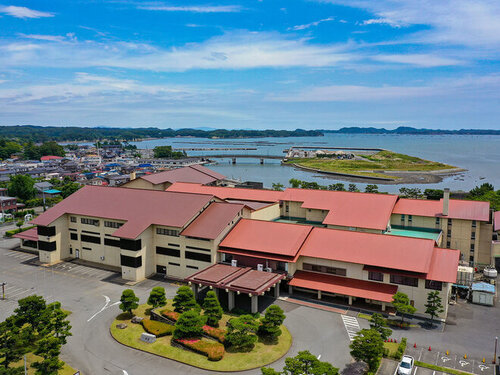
<point>351,325</point>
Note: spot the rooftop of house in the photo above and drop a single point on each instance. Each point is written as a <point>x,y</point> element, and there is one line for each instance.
<point>457,209</point>
<point>138,208</point>
<point>193,173</point>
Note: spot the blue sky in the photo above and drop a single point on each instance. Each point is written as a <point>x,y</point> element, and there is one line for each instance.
<point>316,64</point>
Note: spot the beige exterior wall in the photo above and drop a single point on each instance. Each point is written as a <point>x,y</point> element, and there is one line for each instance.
<point>140,183</point>
<point>266,213</point>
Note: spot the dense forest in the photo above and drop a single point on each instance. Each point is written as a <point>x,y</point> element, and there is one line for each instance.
<point>61,134</point>
<point>410,130</point>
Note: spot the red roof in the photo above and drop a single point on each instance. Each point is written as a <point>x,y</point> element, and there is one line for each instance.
<point>444,265</point>
<point>30,234</point>
<point>496,220</point>
<point>266,237</point>
<point>194,173</point>
<point>139,208</point>
<point>345,286</point>
<point>258,195</point>
<point>360,210</point>
<point>211,222</point>
<point>380,250</point>
<point>50,157</point>
<point>458,209</point>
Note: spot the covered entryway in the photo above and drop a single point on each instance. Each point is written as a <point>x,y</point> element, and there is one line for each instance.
<point>236,281</point>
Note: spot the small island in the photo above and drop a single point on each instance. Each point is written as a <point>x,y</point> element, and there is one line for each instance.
<point>366,165</point>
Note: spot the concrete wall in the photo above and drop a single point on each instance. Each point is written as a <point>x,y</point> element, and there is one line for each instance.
<point>268,213</point>
<point>140,183</point>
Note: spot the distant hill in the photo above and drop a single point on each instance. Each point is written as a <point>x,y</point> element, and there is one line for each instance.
<point>410,130</point>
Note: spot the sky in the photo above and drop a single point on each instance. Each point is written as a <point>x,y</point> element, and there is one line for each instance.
<point>268,64</point>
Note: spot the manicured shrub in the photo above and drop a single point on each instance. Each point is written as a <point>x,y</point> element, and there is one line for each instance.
<point>270,324</point>
<point>241,333</point>
<point>157,297</point>
<point>169,314</point>
<point>10,233</point>
<point>184,300</point>
<point>212,310</point>
<point>189,326</point>
<point>217,333</point>
<point>401,349</point>
<point>213,350</point>
<point>156,328</point>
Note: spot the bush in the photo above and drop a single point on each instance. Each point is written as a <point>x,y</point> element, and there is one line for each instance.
<point>171,315</point>
<point>217,333</point>
<point>401,349</point>
<point>10,233</point>
<point>213,350</point>
<point>156,328</point>
<point>386,352</point>
<point>189,326</point>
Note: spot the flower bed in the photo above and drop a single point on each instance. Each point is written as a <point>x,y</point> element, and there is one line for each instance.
<point>217,333</point>
<point>156,328</point>
<point>213,350</point>
<point>169,314</point>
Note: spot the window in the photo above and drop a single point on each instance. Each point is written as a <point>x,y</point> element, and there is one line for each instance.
<point>192,267</point>
<point>134,262</point>
<point>112,242</point>
<point>403,218</point>
<point>29,243</point>
<point>46,231</point>
<point>46,246</point>
<point>375,276</point>
<point>474,224</point>
<point>86,248</point>
<point>324,269</point>
<point>450,222</point>
<point>87,221</point>
<point>471,259</point>
<point>72,219</point>
<point>161,269</point>
<point>167,232</point>
<point>438,221</point>
<point>404,280</point>
<point>434,285</point>
<point>473,235</point>
<point>197,248</point>
<point>73,236</point>
<point>472,247</point>
<point>173,264</point>
<point>127,244</point>
<point>198,256</point>
<point>112,224</point>
<point>287,208</point>
<point>90,239</point>
<point>173,244</point>
<point>166,251</point>
<point>410,218</point>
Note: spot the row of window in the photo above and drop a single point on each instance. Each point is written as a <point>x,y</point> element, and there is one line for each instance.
<point>112,224</point>
<point>167,232</point>
<point>176,253</point>
<point>89,221</point>
<point>324,269</point>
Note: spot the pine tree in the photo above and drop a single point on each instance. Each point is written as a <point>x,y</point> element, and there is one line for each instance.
<point>379,324</point>
<point>184,300</point>
<point>212,309</point>
<point>433,307</point>
<point>241,333</point>
<point>189,325</point>
<point>49,349</point>
<point>157,297</point>
<point>368,347</point>
<point>271,323</point>
<point>128,301</point>
<point>401,303</point>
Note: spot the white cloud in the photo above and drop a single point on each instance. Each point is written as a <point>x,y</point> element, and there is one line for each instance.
<point>23,12</point>
<point>423,60</point>
<point>308,25</point>
<point>381,21</point>
<point>194,8</point>
<point>50,38</point>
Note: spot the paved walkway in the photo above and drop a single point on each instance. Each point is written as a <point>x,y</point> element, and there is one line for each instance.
<point>351,325</point>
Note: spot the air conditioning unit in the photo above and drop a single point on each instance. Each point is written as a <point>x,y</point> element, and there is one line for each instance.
<point>234,263</point>
<point>269,269</point>
<point>260,267</point>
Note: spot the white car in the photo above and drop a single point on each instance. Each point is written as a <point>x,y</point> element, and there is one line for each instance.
<point>406,365</point>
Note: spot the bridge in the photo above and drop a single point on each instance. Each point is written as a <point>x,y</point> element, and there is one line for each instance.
<point>241,156</point>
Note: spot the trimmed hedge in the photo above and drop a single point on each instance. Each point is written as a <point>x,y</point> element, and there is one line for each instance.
<point>10,233</point>
<point>401,349</point>
<point>216,333</point>
<point>156,328</point>
<point>169,314</point>
<point>213,350</point>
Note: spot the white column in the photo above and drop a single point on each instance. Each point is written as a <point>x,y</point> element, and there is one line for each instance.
<point>319,294</point>
<point>383,306</point>
<point>277,290</point>
<point>290,289</point>
<point>350,300</point>
<point>230,300</point>
<point>195,290</point>
<point>254,303</point>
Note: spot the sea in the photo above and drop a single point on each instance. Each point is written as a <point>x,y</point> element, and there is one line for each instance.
<point>478,154</point>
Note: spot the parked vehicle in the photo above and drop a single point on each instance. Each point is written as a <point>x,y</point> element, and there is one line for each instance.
<point>405,367</point>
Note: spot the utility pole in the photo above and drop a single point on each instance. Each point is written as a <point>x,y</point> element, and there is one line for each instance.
<point>3,290</point>
<point>495,356</point>
<point>25,370</point>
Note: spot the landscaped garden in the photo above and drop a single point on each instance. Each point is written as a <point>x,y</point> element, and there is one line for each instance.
<point>202,336</point>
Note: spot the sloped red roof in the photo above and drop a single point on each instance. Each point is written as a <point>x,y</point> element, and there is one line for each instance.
<point>457,209</point>
<point>258,195</point>
<point>380,250</point>
<point>213,220</point>
<point>30,234</point>
<point>193,173</point>
<point>444,265</point>
<point>50,157</point>
<point>266,237</point>
<point>496,219</point>
<point>139,208</point>
<point>360,210</point>
<point>344,285</point>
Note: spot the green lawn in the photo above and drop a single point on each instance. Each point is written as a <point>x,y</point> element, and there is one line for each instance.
<point>393,347</point>
<point>30,358</point>
<point>263,354</point>
<point>372,165</point>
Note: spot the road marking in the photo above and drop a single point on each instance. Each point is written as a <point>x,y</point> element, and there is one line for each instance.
<point>483,367</point>
<point>463,363</point>
<point>106,305</point>
<point>319,356</point>
<point>125,372</point>
<point>351,326</point>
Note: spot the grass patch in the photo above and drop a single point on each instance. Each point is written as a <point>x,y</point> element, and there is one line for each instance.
<point>263,353</point>
<point>392,347</point>
<point>30,358</point>
<point>442,369</point>
<point>365,316</point>
<point>372,165</point>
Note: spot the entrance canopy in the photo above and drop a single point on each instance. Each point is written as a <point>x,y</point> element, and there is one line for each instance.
<point>344,285</point>
<point>236,279</point>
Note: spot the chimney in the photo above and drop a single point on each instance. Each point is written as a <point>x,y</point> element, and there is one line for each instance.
<point>446,201</point>
<point>132,175</point>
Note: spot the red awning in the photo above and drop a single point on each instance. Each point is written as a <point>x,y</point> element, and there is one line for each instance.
<point>30,234</point>
<point>343,285</point>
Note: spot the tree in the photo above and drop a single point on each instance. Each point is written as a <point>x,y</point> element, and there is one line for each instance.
<point>478,191</point>
<point>49,349</point>
<point>56,323</point>
<point>184,300</point>
<point>294,183</point>
<point>371,189</point>
<point>241,333</point>
<point>379,324</point>
<point>19,223</point>
<point>412,193</point>
<point>128,301</point>
<point>433,194</point>
<point>433,307</point>
<point>303,363</point>
<point>69,189</point>
<point>31,311</point>
<point>52,148</point>
<point>368,347</point>
<point>157,297</point>
<point>337,187</point>
<point>22,186</point>
<point>11,342</point>
<point>212,310</point>
<point>189,325</point>
<point>401,303</point>
<point>166,152</point>
<point>8,148</point>
<point>277,186</point>
<point>271,323</point>
<point>353,188</point>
